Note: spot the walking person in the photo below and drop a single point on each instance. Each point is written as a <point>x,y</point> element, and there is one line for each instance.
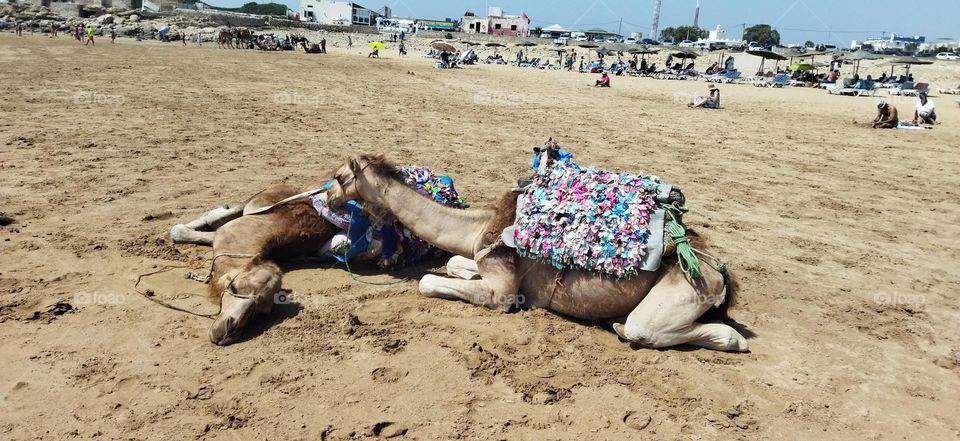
<point>89,35</point>
<point>323,45</point>
<point>349,42</point>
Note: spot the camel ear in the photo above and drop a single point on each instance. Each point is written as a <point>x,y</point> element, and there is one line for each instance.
<point>354,164</point>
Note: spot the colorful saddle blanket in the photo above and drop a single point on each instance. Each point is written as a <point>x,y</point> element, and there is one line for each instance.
<point>590,219</point>
<point>399,246</point>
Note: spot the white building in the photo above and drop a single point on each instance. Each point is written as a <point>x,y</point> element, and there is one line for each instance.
<point>333,12</point>
<point>719,35</point>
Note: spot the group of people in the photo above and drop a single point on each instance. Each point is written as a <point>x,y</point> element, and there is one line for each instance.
<point>924,113</point>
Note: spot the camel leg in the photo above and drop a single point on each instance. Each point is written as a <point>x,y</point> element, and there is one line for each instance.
<point>498,289</point>
<point>666,317</point>
<point>463,268</point>
<point>192,232</point>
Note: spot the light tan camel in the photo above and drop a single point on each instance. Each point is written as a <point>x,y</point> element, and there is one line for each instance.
<point>245,281</point>
<point>661,308</point>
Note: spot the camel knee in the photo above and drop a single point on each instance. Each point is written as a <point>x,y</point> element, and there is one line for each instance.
<point>463,268</point>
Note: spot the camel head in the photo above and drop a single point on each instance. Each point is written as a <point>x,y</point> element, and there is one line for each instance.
<point>246,294</point>
<point>357,177</point>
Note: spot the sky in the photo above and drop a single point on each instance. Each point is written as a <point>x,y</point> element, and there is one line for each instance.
<point>822,21</point>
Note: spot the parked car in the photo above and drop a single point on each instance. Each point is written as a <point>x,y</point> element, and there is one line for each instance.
<point>581,38</point>
<point>754,46</point>
<point>561,40</point>
<point>613,40</point>
<point>686,43</point>
<point>649,41</point>
<point>948,56</point>
<point>630,41</point>
<point>667,42</point>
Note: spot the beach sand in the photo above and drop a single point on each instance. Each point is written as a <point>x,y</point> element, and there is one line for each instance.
<point>844,240</point>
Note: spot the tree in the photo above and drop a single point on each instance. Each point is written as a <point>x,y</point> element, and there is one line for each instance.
<point>809,44</point>
<point>681,33</point>
<point>536,31</point>
<point>763,34</point>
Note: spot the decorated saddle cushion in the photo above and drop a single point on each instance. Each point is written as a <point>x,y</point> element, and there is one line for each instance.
<point>591,219</point>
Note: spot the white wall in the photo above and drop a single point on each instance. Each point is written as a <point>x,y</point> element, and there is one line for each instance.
<point>324,11</point>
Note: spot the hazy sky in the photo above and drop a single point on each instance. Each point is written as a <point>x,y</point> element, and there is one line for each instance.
<point>833,21</point>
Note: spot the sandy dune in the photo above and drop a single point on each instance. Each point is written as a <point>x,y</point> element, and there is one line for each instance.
<point>845,240</point>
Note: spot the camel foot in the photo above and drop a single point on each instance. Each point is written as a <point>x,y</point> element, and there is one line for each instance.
<point>183,234</point>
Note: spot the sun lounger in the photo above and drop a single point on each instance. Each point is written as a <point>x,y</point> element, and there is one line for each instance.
<point>909,88</point>
<point>731,77</point>
<point>862,88</point>
<point>950,91</point>
<point>917,89</point>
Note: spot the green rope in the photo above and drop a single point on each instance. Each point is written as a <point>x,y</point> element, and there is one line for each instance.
<point>354,276</point>
<point>685,255</point>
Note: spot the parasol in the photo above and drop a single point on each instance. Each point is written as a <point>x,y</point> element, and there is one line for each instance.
<point>442,46</point>
<point>859,55</point>
<point>906,61</point>
<point>494,45</point>
<point>767,55</point>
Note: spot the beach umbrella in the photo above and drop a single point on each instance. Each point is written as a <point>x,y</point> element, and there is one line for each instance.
<point>444,47</point>
<point>907,62</point>
<point>494,45</point>
<point>684,54</point>
<point>375,45</point>
<point>767,55</point>
<point>469,43</point>
<point>859,55</point>
<point>802,67</point>
<point>526,44</point>
<point>588,45</point>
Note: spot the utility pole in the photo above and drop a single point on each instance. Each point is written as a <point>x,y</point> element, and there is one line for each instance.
<point>655,27</point>
<point>620,26</point>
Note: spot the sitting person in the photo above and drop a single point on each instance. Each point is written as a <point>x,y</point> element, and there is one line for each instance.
<point>712,101</point>
<point>925,112</point>
<point>604,81</point>
<point>375,53</point>
<point>886,115</point>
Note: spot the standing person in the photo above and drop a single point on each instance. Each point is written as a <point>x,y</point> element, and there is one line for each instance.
<point>53,30</point>
<point>19,28</point>
<point>89,35</point>
<point>886,115</point>
<point>183,37</point>
<point>323,45</point>
<point>349,42</point>
<point>76,33</point>
<point>199,39</point>
<point>113,34</point>
<point>403,35</point>
<point>925,113</point>
<point>403,48</point>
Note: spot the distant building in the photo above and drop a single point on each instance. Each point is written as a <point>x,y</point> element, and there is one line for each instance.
<point>555,31</point>
<point>496,23</point>
<point>437,25</point>
<point>597,34</point>
<point>333,12</point>
<point>950,43</point>
<point>893,42</point>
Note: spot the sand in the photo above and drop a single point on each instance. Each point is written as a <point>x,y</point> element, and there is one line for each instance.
<point>844,239</point>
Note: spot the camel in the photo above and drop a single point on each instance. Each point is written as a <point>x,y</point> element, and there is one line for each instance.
<point>245,281</point>
<point>661,308</point>
<point>225,39</point>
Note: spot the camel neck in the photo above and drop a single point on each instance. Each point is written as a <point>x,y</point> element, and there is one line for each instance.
<point>450,229</point>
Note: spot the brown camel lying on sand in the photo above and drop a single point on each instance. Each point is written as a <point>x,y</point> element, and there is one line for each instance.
<point>245,280</point>
<point>661,308</point>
